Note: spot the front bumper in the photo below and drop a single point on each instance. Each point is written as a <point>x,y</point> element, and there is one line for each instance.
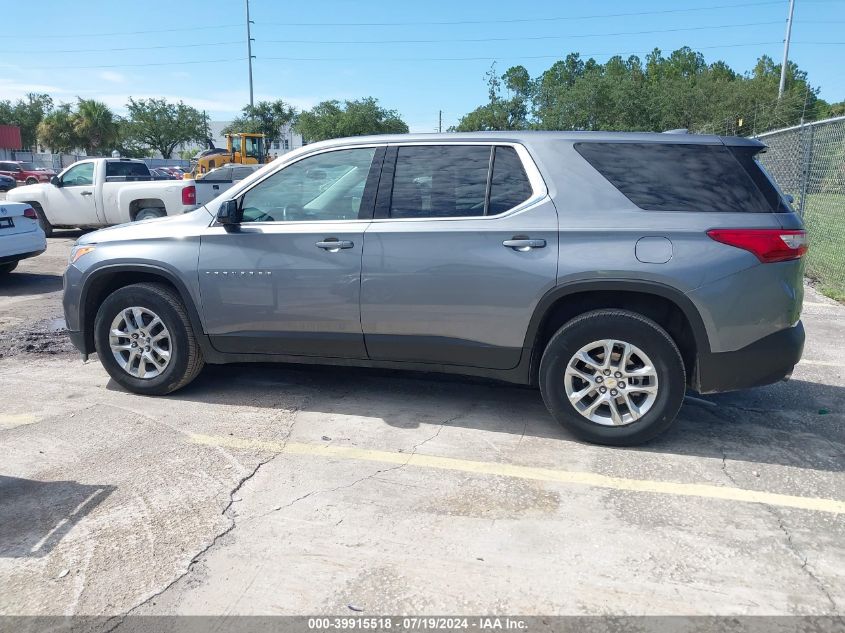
<point>763,362</point>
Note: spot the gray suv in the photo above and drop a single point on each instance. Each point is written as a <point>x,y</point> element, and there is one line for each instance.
<point>613,271</point>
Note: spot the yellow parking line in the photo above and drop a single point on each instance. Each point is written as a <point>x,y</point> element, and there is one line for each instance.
<point>528,472</point>
<point>821,363</point>
<point>12,420</point>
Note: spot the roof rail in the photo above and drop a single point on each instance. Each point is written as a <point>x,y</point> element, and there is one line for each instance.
<point>680,130</point>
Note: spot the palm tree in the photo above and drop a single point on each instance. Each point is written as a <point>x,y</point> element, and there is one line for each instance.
<point>96,126</point>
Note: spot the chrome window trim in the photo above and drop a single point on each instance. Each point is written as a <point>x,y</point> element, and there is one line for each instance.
<point>535,179</point>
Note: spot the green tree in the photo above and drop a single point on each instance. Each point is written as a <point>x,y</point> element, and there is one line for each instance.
<point>95,126</point>
<point>266,117</point>
<point>162,125</point>
<point>58,130</point>
<point>678,90</point>
<point>26,113</point>
<point>331,119</point>
<point>502,112</point>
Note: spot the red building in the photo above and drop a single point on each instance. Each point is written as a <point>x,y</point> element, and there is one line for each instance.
<point>10,137</point>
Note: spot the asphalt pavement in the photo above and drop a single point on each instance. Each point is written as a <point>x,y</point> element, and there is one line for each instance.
<point>304,490</point>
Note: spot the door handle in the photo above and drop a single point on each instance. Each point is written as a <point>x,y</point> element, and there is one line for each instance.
<point>333,245</point>
<point>86,193</point>
<point>523,244</point>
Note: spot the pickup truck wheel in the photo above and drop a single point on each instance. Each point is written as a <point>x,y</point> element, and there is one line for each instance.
<point>145,341</point>
<point>147,214</point>
<point>7,268</point>
<point>613,377</point>
<point>32,181</point>
<point>43,222</point>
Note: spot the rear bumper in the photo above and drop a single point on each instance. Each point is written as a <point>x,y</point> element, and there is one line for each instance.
<point>763,362</point>
<point>8,259</point>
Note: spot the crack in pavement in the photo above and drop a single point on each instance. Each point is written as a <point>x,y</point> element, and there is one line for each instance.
<point>790,544</point>
<point>372,475</point>
<point>225,512</point>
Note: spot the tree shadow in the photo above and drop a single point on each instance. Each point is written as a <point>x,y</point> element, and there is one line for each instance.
<point>36,515</point>
<point>795,423</point>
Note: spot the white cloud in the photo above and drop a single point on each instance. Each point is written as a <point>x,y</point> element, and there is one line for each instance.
<point>111,76</point>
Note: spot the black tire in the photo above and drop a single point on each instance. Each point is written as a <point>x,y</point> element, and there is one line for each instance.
<point>632,328</point>
<point>186,360</point>
<point>148,214</point>
<point>5,269</point>
<point>32,181</point>
<point>43,222</point>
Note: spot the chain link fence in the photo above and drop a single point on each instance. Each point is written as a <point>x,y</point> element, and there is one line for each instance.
<point>808,162</point>
<point>57,162</point>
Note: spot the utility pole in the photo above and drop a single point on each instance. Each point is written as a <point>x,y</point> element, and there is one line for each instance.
<point>440,121</point>
<point>249,41</point>
<point>782,84</point>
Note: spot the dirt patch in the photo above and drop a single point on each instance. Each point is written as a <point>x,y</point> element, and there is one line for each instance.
<point>47,337</point>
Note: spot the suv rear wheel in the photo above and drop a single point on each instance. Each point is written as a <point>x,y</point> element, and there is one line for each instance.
<point>145,341</point>
<point>613,377</point>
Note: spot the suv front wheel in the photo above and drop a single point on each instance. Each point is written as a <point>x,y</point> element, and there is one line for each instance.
<point>145,341</point>
<point>613,377</point>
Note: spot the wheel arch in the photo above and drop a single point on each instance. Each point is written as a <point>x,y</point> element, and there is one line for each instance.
<point>105,280</point>
<point>666,305</point>
<point>137,205</point>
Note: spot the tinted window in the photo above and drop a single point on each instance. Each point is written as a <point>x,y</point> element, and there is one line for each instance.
<point>126,169</point>
<point>221,173</point>
<point>440,181</point>
<point>509,185</point>
<point>677,177</point>
<point>239,173</point>
<point>327,186</point>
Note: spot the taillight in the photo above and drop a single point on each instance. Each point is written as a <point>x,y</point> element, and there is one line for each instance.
<point>189,195</point>
<point>29,212</point>
<point>769,245</point>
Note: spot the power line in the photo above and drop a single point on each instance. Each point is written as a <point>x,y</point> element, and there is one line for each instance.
<point>407,41</point>
<point>493,58</point>
<point>517,39</point>
<point>519,20</point>
<point>116,33</point>
<point>137,48</point>
<point>415,59</point>
<point>182,63</point>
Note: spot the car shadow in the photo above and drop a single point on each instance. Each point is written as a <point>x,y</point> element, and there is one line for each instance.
<point>22,283</point>
<point>36,515</point>
<point>796,423</point>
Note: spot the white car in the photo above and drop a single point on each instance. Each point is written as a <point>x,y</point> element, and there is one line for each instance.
<point>99,192</point>
<point>20,235</point>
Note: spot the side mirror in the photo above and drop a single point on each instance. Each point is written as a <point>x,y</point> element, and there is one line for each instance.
<point>55,181</point>
<point>228,214</point>
<point>789,198</point>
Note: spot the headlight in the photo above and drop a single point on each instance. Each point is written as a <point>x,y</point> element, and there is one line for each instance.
<point>78,251</point>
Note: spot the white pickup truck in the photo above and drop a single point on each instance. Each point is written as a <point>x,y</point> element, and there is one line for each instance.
<point>104,191</point>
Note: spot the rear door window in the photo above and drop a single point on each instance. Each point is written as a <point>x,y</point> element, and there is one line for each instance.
<point>683,177</point>
<point>432,181</point>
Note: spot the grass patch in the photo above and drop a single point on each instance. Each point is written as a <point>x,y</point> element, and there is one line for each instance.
<point>824,217</point>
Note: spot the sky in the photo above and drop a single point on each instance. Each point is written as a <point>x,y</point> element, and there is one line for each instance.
<point>416,57</point>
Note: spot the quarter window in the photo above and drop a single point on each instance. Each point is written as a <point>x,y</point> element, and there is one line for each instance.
<point>683,176</point>
<point>79,175</point>
<point>509,185</point>
<point>325,187</point>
